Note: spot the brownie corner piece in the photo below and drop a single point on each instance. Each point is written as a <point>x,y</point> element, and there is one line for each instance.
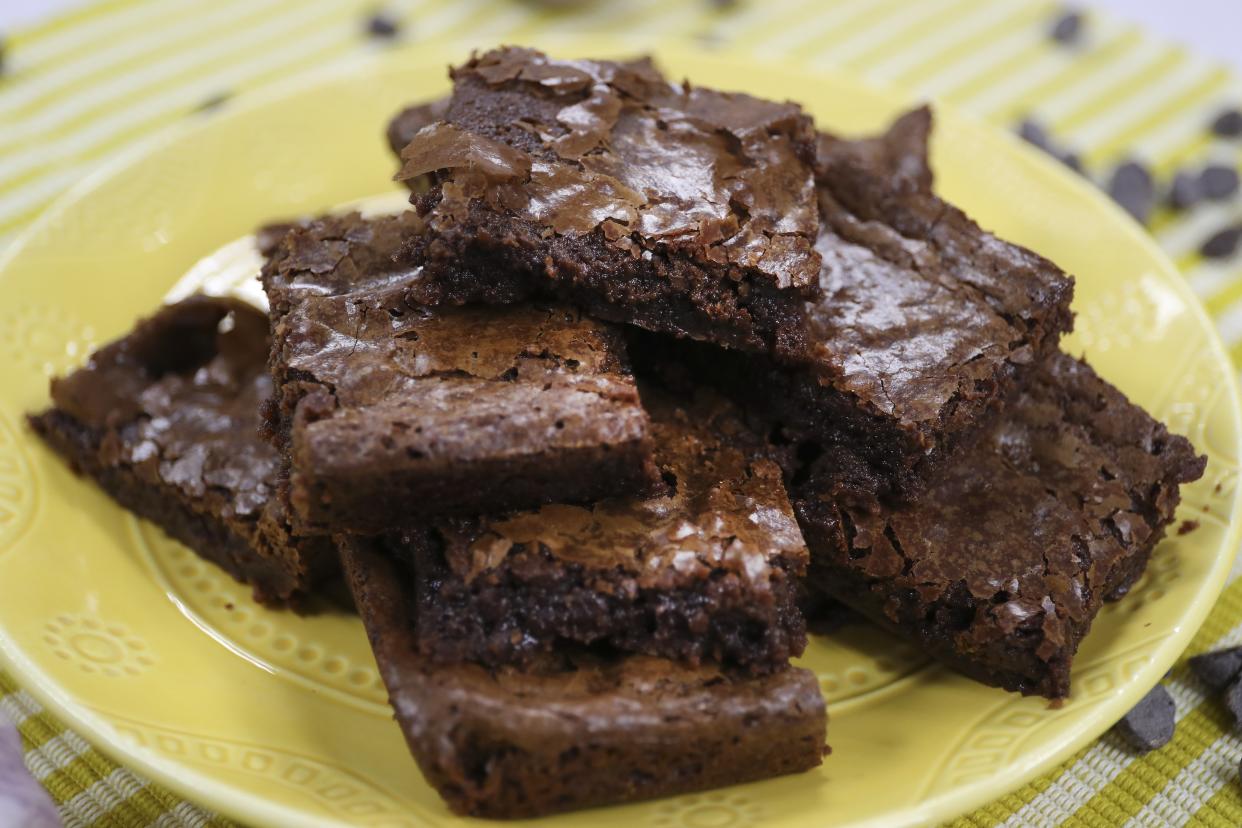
<point>678,208</point>
<point>1002,565</point>
<point>576,729</point>
<point>389,412</point>
<point>166,419</point>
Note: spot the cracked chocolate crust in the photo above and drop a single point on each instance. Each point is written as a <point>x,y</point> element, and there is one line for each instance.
<point>576,729</point>
<point>705,569</point>
<point>924,327</point>
<point>165,420</point>
<point>389,412</point>
<point>1003,564</point>
<point>679,208</point>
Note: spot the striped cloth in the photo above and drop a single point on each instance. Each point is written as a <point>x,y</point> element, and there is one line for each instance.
<point>83,88</point>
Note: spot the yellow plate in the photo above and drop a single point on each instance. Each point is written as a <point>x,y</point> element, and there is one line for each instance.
<point>276,719</point>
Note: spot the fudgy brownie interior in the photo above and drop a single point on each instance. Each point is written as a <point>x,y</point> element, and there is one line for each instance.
<point>575,729</point>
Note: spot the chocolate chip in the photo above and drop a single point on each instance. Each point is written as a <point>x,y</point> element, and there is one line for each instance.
<point>1222,244</point>
<point>1132,187</point>
<point>383,26</point>
<point>1218,181</point>
<point>1150,724</point>
<point>213,102</point>
<point>1217,668</point>
<point>1068,27</point>
<point>1185,191</point>
<point>1228,124</point>
<point>1034,134</point>
<point>1233,700</point>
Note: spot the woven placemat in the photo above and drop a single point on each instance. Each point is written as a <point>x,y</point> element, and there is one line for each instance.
<point>80,89</point>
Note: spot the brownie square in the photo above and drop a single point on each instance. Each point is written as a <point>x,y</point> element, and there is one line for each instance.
<point>389,412</point>
<point>678,208</point>
<point>576,729</point>
<point>166,421</point>
<point>1001,566</point>
<point>924,324</point>
<point>705,569</point>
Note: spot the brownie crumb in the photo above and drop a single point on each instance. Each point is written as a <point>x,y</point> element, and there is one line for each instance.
<point>383,26</point>
<point>1132,187</point>
<point>1150,724</point>
<point>1218,182</point>
<point>1187,527</point>
<point>1067,28</point>
<point>1223,243</point>
<point>1185,191</point>
<point>1218,668</point>
<point>1228,124</point>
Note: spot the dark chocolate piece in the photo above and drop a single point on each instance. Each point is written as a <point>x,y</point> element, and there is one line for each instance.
<point>383,26</point>
<point>390,412</point>
<point>1186,190</point>
<point>1217,668</point>
<point>1233,701</point>
<point>1132,187</point>
<point>166,421</point>
<point>1223,243</point>
<point>1067,28</point>
<point>704,570</point>
<point>1034,133</point>
<point>924,323</point>
<point>678,208</point>
<point>1149,725</point>
<point>214,102</point>
<point>1003,563</point>
<point>577,729</point>
<point>1228,124</point>
<point>1218,182</point>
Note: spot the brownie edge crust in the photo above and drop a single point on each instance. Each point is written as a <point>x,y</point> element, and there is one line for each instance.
<point>166,421</point>
<point>577,730</point>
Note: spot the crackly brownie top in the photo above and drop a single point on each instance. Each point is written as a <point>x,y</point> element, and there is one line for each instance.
<point>920,309</point>
<point>456,371</point>
<point>178,400</point>
<point>1032,522</point>
<point>584,146</point>
<point>723,508</point>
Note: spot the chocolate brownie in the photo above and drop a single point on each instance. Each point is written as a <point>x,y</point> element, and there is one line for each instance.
<point>924,323</point>
<point>1001,566</point>
<point>390,412</point>
<point>166,420</point>
<point>705,569</point>
<point>576,729</point>
<point>678,208</point>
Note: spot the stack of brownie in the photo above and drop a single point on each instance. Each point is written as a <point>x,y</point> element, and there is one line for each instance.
<point>645,366</point>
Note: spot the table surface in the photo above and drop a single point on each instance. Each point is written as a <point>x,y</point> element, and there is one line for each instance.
<point>1194,781</point>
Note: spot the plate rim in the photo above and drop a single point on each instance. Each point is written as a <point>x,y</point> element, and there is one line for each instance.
<point>202,789</point>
